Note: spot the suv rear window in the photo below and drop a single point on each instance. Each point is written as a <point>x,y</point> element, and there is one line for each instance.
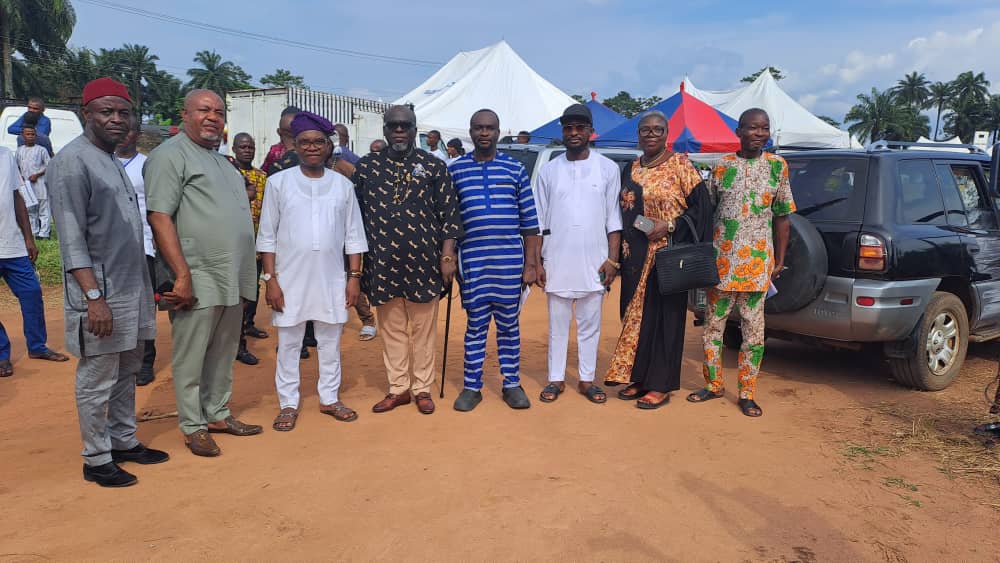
<point>919,201</point>
<point>527,158</point>
<point>824,188</point>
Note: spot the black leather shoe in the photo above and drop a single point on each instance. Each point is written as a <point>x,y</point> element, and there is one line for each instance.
<point>467,400</point>
<point>109,475</point>
<point>246,357</point>
<point>145,376</point>
<point>141,455</point>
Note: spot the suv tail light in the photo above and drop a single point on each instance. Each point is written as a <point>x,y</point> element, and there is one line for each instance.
<point>871,253</point>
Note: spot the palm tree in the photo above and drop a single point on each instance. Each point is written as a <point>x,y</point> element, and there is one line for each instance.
<point>993,116</point>
<point>967,115</point>
<point>939,98</point>
<point>136,64</point>
<point>33,28</point>
<point>217,75</point>
<point>968,87</point>
<point>880,116</point>
<point>166,98</point>
<point>913,90</point>
<point>281,78</point>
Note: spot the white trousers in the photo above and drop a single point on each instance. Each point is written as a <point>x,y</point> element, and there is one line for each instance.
<point>588,334</point>
<point>286,377</point>
<point>40,218</point>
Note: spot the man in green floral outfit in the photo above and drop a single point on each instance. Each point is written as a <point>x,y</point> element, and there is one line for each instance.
<point>752,227</point>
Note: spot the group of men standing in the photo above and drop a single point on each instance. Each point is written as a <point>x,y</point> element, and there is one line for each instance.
<point>398,225</point>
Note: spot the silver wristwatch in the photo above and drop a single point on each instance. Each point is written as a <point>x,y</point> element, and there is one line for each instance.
<point>93,294</point>
<point>266,277</point>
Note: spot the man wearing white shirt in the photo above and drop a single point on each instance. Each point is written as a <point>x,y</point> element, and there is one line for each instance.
<point>310,219</point>
<point>577,196</point>
<point>132,160</point>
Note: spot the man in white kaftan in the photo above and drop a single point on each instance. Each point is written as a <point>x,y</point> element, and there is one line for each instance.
<point>577,196</point>
<point>309,219</point>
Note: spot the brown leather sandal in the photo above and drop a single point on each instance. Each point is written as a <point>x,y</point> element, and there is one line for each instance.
<point>339,411</point>
<point>286,419</point>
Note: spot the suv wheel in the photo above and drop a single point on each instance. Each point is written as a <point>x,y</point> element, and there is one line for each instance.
<point>942,342</point>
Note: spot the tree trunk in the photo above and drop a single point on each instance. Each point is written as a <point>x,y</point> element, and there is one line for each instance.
<point>7,53</point>
<point>938,124</point>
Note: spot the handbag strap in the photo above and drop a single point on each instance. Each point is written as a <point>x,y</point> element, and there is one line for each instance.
<point>690,224</point>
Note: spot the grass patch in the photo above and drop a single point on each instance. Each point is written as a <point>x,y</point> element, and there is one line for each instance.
<point>899,483</point>
<point>957,452</point>
<point>49,262</point>
<point>865,453</point>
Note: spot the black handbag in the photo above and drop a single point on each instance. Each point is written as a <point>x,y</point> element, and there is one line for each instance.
<point>684,266</point>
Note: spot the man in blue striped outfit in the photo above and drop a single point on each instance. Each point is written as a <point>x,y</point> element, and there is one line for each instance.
<point>497,256</point>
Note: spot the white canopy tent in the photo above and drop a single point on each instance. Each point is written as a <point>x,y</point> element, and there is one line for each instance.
<point>791,124</point>
<point>951,141</point>
<point>494,77</point>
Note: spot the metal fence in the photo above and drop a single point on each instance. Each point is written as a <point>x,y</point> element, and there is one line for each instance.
<point>336,108</point>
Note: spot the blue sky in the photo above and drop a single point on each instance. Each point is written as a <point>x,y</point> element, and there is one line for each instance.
<point>829,53</point>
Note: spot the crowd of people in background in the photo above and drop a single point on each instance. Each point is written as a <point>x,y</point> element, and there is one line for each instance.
<point>325,230</point>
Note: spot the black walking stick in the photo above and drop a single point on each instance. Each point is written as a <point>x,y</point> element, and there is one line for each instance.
<point>447,329</point>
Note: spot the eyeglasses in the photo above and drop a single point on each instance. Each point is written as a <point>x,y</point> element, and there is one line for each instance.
<point>393,125</point>
<point>655,131</point>
<point>571,127</point>
<point>312,143</point>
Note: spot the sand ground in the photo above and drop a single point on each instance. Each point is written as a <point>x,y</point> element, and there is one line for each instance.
<point>844,466</point>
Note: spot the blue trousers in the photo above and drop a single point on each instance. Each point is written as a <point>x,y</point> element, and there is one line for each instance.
<point>508,343</point>
<point>19,273</point>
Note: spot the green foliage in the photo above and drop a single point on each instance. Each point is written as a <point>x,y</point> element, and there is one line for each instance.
<point>913,90</point>
<point>625,104</point>
<point>217,75</point>
<point>37,30</point>
<point>829,120</point>
<point>881,116</point>
<point>49,262</point>
<point>776,73</point>
<point>939,98</point>
<point>281,78</point>
<point>579,98</point>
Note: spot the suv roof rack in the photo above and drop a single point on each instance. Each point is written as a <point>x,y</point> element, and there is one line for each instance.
<point>901,145</point>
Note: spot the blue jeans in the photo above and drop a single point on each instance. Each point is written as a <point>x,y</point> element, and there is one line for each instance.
<point>19,273</point>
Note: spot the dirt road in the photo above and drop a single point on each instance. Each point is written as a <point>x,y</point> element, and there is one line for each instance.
<point>844,466</point>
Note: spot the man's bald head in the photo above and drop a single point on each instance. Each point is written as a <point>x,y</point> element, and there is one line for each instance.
<point>204,117</point>
<point>195,96</point>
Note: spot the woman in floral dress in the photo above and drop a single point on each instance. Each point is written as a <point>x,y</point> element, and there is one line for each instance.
<point>661,185</point>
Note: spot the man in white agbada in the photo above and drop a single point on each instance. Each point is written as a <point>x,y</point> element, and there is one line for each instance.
<point>309,219</point>
<point>577,196</point>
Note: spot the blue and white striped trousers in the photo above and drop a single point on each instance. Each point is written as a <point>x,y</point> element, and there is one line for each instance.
<point>508,343</point>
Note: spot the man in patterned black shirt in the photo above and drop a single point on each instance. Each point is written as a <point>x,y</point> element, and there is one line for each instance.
<point>410,212</point>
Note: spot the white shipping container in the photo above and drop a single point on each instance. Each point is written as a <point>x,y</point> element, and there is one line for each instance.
<point>257,112</point>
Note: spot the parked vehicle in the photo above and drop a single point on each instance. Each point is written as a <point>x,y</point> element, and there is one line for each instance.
<point>533,156</point>
<point>895,248</point>
<point>257,112</point>
<point>66,126</point>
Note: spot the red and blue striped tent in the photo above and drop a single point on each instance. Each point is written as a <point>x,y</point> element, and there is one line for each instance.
<point>693,126</point>
<point>605,119</point>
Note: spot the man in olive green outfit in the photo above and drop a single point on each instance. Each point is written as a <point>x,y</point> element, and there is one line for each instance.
<point>200,216</point>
